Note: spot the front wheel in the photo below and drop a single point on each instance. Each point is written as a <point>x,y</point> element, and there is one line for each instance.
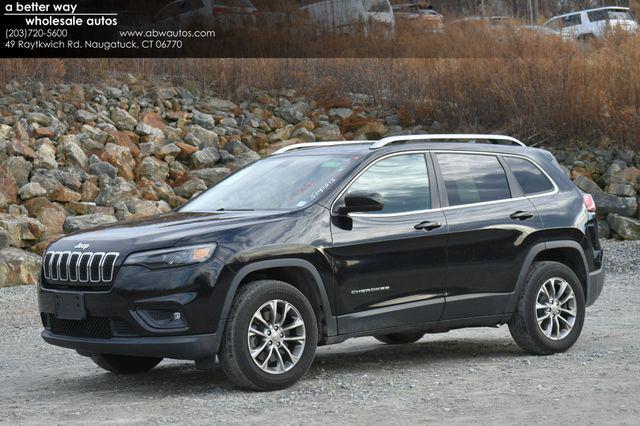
<point>270,338</point>
<point>122,364</point>
<point>550,313</point>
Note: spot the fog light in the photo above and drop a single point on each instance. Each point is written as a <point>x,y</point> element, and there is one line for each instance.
<point>176,316</point>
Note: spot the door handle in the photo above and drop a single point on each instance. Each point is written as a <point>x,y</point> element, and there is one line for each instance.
<point>520,215</point>
<point>428,225</point>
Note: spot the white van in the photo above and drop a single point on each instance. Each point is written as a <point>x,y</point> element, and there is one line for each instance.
<point>593,23</point>
<point>345,16</point>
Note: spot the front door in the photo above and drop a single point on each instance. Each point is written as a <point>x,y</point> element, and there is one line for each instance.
<point>390,265</point>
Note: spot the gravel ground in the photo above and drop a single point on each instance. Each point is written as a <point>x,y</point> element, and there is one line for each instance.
<point>456,377</point>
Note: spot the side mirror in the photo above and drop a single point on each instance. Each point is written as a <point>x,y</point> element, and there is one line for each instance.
<point>361,202</point>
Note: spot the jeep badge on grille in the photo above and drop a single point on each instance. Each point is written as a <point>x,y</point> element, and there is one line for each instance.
<point>81,246</point>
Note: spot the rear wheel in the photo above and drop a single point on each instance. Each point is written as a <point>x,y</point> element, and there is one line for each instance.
<point>550,312</point>
<point>270,338</point>
<point>123,364</point>
<point>399,338</point>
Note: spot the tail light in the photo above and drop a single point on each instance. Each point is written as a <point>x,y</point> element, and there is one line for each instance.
<point>219,10</point>
<point>589,203</point>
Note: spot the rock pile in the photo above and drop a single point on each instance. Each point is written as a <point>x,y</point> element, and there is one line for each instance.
<point>612,177</point>
<point>74,156</point>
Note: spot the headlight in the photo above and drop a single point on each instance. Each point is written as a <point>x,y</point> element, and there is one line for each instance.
<point>167,258</point>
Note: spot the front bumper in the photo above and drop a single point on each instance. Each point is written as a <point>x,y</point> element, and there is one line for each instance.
<point>137,315</point>
<point>192,347</point>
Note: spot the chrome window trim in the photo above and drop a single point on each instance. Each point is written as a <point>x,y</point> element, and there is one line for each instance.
<point>392,154</point>
<point>446,151</point>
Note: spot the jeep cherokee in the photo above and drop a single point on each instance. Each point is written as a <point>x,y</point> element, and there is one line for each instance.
<point>327,241</point>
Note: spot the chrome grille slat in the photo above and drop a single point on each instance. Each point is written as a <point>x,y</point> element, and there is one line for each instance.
<point>79,268</point>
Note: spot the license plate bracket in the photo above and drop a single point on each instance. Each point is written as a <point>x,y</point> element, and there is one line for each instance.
<point>70,306</point>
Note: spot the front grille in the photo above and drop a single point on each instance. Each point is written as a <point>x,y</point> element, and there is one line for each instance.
<point>79,267</point>
<point>90,328</point>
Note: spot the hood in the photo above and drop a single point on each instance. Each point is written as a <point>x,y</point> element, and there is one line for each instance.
<point>158,231</point>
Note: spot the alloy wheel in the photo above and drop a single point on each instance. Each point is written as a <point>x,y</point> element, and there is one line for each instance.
<point>276,336</point>
<point>556,308</point>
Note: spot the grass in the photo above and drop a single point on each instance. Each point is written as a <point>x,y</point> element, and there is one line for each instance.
<point>467,79</point>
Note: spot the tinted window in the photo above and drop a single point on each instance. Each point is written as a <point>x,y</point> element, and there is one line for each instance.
<point>571,20</point>
<point>402,180</point>
<point>471,178</point>
<point>529,176</point>
<point>597,15</point>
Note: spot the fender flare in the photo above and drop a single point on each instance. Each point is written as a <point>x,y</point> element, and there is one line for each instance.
<point>528,261</point>
<point>330,320</point>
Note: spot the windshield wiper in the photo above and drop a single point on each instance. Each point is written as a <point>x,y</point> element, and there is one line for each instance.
<point>222,209</point>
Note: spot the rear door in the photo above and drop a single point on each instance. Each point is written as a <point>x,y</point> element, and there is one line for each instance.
<point>489,223</point>
<point>390,265</point>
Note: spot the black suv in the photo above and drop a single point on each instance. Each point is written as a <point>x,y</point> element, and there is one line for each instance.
<point>327,241</point>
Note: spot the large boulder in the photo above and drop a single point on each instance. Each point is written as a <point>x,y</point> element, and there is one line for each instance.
<point>628,228</point>
<point>79,223</point>
<point>19,169</point>
<point>191,187</point>
<point>608,203</point>
<point>118,190</point>
<point>23,231</point>
<point>8,189</point>
<point>120,157</point>
<point>31,190</point>
<point>204,120</point>
<point>18,267</point>
<point>123,120</point>
<point>205,158</point>
<point>211,176</point>
<point>154,169</point>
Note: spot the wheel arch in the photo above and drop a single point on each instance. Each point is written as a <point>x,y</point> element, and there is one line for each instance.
<point>299,273</point>
<point>567,252</point>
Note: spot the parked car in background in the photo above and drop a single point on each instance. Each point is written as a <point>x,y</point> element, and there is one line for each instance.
<point>346,16</point>
<point>412,17</point>
<point>222,14</point>
<point>593,23</point>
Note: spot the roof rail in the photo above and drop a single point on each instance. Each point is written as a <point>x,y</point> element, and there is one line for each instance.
<point>318,144</point>
<point>469,137</point>
<point>406,138</point>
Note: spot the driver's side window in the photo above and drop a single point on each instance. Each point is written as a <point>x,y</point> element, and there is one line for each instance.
<point>402,180</point>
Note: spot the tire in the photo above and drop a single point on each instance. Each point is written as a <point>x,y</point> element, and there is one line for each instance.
<point>524,327</point>
<point>237,342</point>
<point>122,364</point>
<point>399,338</point>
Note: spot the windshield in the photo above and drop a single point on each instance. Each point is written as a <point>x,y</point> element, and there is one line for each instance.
<point>276,183</point>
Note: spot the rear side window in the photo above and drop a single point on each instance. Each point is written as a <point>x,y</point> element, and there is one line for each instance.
<point>402,180</point>
<point>571,20</point>
<point>529,176</point>
<point>471,178</point>
<point>597,15</point>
